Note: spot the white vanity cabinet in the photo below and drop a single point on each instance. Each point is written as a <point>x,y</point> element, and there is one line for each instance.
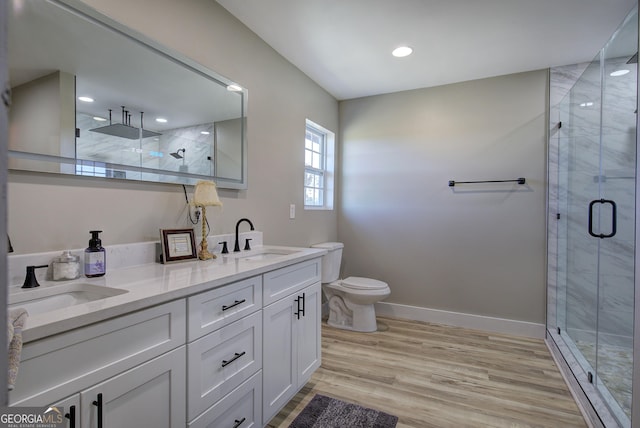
<point>230,356</point>
<point>291,344</point>
<point>136,361</point>
<point>226,327</point>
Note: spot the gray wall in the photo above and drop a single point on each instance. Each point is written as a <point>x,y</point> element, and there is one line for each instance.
<point>48,212</point>
<point>477,249</point>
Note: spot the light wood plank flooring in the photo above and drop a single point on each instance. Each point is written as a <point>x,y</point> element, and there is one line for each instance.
<point>431,375</point>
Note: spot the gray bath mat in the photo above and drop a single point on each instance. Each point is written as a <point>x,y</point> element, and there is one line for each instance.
<point>326,412</point>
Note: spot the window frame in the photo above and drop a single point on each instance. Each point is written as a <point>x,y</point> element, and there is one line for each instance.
<point>326,167</point>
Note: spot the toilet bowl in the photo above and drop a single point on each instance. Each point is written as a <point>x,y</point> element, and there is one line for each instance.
<point>351,300</point>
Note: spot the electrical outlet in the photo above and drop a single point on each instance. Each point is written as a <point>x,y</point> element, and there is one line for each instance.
<point>292,211</point>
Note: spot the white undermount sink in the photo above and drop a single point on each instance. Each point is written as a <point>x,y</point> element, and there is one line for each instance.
<point>265,253</point>
<point>53,297</point>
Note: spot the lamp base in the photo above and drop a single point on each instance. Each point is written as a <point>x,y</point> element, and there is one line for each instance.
<point>204,253</point>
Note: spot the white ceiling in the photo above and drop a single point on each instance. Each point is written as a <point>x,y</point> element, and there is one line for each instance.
<point>345,45</point>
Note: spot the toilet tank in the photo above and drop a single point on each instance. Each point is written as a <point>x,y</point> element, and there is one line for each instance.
<point>331,261</point>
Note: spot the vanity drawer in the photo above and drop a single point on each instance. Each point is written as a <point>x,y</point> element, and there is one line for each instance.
<point>282,282</point>
<point>241,408</point>
<point>220,361</point>
<point>60,365</point>
<point>214,309</point>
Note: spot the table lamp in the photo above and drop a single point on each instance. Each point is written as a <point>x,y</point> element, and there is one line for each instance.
<point>205,195</point>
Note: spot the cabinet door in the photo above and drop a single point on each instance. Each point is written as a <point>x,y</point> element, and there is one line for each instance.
<point>308,334</point>
<point>150,395</point>
<point>291,347</point>
<point>279,358</point>
<point>71,407</point>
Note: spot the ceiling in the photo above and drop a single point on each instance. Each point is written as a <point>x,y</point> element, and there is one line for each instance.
<point>345,45</point>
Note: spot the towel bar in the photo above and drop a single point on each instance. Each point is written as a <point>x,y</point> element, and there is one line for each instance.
<point>520,180</point>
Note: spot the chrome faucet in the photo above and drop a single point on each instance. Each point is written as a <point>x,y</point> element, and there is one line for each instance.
<point>236,247</point>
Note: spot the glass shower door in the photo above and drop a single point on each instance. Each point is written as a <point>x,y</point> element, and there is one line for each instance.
<point>596,222</point>
<point>616,182</point>
<point>579,163</point>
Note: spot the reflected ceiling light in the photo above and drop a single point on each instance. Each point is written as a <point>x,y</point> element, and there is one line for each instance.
<point>205,132</point>
<point>619,73</point>
<point>86,99</point>
<point>587,104</point>
<point>402,51</point>
<point>99,119</point>
<point>234,88</point>
<point>161,120</point>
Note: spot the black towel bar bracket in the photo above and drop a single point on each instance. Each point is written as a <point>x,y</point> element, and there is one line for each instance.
<point>520,180</point>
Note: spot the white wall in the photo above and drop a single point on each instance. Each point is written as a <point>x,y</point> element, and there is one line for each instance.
<point>49,212</point>
<point>475,249</point>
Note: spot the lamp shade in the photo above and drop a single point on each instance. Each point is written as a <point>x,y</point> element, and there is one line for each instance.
<point>205,194</point>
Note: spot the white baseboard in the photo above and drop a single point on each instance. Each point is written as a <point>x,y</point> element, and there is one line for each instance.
<point>458,319</point>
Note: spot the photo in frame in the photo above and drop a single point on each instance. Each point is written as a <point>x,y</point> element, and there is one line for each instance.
<point>178,245</point>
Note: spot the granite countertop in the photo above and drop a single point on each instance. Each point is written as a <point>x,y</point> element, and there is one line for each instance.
<point>153,283</point>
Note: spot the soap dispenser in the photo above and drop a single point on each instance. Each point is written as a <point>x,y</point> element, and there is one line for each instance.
<point>95,263</point>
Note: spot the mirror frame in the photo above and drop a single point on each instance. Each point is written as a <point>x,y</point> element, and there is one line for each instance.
<point>84,11</point>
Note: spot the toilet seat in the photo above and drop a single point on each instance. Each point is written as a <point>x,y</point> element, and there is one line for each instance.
<point>359,283</point>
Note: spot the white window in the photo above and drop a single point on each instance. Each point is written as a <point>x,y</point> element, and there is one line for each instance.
<point>318,167</point>
<point>91,168</point>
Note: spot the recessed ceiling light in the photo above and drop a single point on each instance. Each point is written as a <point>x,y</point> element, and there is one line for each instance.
<point>402,51</point>
<point>86,99</point>
<point>99,119</point>
<point>619,73</point>
<point>234,88</point>
<point>586,104</point>
<point>161,120</point>
<point>205,132</point>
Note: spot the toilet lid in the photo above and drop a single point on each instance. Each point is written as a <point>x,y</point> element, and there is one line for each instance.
<point>363,283</point>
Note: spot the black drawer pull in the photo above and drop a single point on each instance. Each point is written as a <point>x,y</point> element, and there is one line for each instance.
<point>98,404</point>
<point>236,303</point>
<point>235,357</point>
<point>238,422</point>
<point>71,416</point>
<point>300,311</point>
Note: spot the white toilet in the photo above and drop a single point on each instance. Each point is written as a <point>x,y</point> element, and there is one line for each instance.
<point>350,300</point>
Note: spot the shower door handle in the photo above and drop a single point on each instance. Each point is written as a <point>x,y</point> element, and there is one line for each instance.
<point>613,218</point>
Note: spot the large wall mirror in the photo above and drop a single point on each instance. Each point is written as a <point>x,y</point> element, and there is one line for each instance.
<point>91,97</point>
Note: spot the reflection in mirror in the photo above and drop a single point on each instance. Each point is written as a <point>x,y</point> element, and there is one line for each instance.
<point>91,97</point>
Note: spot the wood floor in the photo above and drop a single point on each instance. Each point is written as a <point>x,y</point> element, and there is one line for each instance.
<point>431,375</point>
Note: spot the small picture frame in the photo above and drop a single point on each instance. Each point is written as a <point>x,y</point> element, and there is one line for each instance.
<point>178,245</point>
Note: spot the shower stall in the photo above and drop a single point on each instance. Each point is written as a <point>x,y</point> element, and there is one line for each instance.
<point>591,226</point>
